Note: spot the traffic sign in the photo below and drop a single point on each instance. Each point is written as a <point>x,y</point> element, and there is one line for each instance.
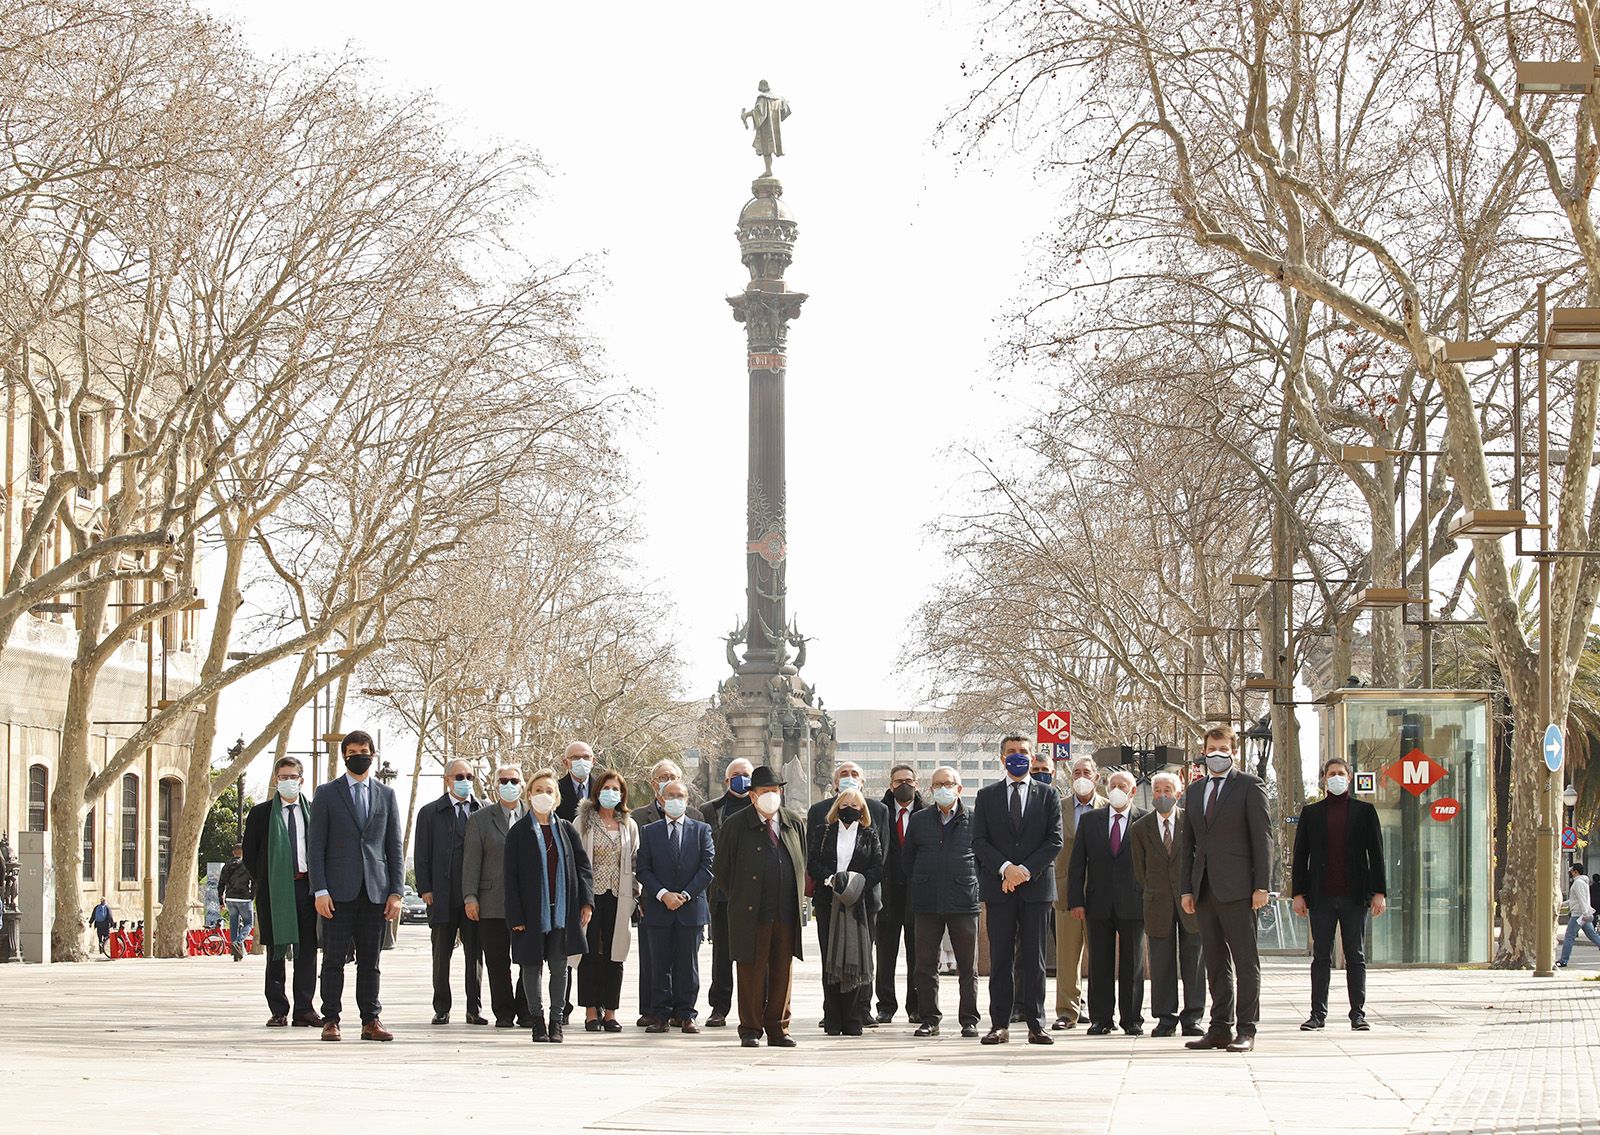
<point>1055,727</point>
<point>1555,748</point>
<point>1569,838</point>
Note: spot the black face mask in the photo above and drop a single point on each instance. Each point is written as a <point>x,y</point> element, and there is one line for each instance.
<point>849,815</point>
<point>358,763</point>
<point>905,793</point>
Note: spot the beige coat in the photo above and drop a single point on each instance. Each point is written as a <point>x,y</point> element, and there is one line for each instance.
<point>588,824</point>
<point>1069,833</point>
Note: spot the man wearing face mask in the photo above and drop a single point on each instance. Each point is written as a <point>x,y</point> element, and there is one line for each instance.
<point>1173,935</point>
<point>1102,893</point>
<point>895,920</point>
<point>846,775</point>
<point>1337,877</point>
<point>676,856</point>
<point>735,796</point>
<point>761,867</point>
<point>275,854</point>
<point>1224,860</point>
<point>943,896</point>
<point>483,889</point>
<point>441,837</point>
<point>575,787</point>
<point>1016,836</point>
<point>357,877</point>
<point>1083,798</point>
<point>662,773</point>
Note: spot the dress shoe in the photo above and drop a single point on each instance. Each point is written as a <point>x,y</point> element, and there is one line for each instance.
<point>717,1021</point>
<point>477,1019</point>
<point>277,1021</point>
<point>1137,1030</point>
<point>1039,1036</point>
<point>969,1030</point>
<point>914,1018</point>
<point>690,1028</point>
<point>853,1030</point>
<point>1063,1023</point>
<point>1193,1030</point>
<point>374,1030</point>
<point>750,1041</point>
<point>997,1036</point>
<point>652,1027</point>
<point>1211,1040</point>
<point>885,1018</point>
<point>1312,1023</point>
<point>1359,1023</point>
<point>592,1025</point>
<point>557,1025</point>
<point>870,1022</point>
<point>927,1028</point>
<point>784,1041</point>
<point>441,1018</point>
<point>673,1022</point>
<point>611,1025</point>
<point>644,1022</point>
<point>540,1035</point>
<point>330,1031</point>
<point>1098,1030</point>
<point>1168,1028</point>
<point>505,1024</point>
<point>1243,1044</point>
<point>307,1021</point>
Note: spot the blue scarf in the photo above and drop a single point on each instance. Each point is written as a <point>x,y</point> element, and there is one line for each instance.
<point>546,922</point>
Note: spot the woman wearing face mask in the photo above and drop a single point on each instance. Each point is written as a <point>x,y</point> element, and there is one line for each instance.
<point>847,862</point>
<point>549,900</point>
<point>611,840</point>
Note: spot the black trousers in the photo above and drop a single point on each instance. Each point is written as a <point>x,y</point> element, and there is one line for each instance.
<point>1016,939</point>
<point>963,930</point>
<point>1116,975</point>
<point>356,922</point>
<point>821,911</point>
<point>305,960</point>
<point>444,945</point>
<point>673,971</point>
<point>720,997</point>
<point>1349,917</point>
<point>1175,958</point>
<point>600,978</point>
<point>1228,941</point>
<point>895,922</point>
<point>494,937</point>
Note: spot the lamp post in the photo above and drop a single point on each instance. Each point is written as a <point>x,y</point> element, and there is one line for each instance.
<point>1569,799</point>
<point>234,751</point>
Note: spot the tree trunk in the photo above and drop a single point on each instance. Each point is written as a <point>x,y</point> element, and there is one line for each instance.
<point>1388,632</point>
<point>1518,900</point>
<point>67,809</point>
<point>416,778</point>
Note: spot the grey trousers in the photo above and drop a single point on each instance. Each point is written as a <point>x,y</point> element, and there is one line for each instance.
<point>555,959</point>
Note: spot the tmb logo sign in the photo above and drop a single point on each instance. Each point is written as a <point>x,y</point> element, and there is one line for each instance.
<point>1416,772</point>
<point>1445,809</point>
<point>1055,727</point>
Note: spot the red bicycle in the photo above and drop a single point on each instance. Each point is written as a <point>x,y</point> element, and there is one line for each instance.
<point>127,943</point>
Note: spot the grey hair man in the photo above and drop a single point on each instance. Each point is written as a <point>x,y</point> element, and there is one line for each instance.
<point>1082,797</point>
<point>483,862</point>
<point>735,797</point>
<point>942,895</point>
<point>1173,934</point>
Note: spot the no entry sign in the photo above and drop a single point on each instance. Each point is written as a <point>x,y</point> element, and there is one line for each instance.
<point>1055,727</point>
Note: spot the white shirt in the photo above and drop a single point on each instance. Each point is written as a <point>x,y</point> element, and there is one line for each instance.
<point>1111,823</point>
<point>847,844</point>
<point>1020,789</point>
<point>674,833</point>
<point>903,814</point>
<point>299,832</point>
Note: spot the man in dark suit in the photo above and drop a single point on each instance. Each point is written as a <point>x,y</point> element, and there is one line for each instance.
<point>1016,835</point>
<point>1225,859</point>
<point>275,853</point>
<point>575,786</point>
<point>895,920</point>
<point>1338,875</point>
<point>1082,797</point>
<point>1103,894</point>
<point>675,862</point>
<point>1173,935</point>
<point>735,797</point>
<point>483,891</point>
<point>441,835</point>
<point>761,867</point>
<point>662,773</point>
<point>357,876</point>
<point>846,774</point>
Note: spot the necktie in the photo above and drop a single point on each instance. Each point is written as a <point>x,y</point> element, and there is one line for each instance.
<point>672,838</point>
<point>1116,832</point>
<point>1016,807</point>
<point>772,832</point>
<point>901,836</point>
<point>1211,797</point>
<point>360,789</point>
<point>294,839</point>
<point>1166,834</point>
<point>461,817</point>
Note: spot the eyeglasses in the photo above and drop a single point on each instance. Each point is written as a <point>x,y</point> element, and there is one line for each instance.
<point>462,776</point>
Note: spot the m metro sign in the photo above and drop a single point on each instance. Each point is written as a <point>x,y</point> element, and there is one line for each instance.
<point>1416,772</point>
<point>1055,727</point>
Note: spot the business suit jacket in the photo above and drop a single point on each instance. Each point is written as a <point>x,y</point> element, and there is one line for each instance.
<point>1363,846</point>
<point>527,889</point>
<point>439,856</point>
<point>894,862</point>
<point>567,804</point>
<point>1232,851</point>
<point>652,812</point>
<point>483,860</point>
<point>256,860</point>
<point>1034,847</point>
<point>1160,875</point>
<point>688,873</point>
<point>737,875</point>
<point>347,859</point>
<point>1069,831</point>
<point>1100,882</point>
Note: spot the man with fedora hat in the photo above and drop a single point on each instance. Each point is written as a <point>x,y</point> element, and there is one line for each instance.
<point>761,868</point>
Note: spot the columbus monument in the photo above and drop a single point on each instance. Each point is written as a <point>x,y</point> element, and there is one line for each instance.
<point>775,717</point>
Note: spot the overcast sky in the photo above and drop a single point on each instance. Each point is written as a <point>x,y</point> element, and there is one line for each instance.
<point>910,258</point>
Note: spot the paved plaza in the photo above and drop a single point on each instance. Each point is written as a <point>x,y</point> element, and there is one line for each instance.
<point>178,1047</point>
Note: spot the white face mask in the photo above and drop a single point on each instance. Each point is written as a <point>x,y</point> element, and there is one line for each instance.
<point>768,802</point>
<point>289,789</point>
<point>944,796</point>
<point>581,768</point>
<point>1119,798</point>
<point>1083,787</point>
<point>1338,785</point>
<point>542,803</point>
<point>846,783</point>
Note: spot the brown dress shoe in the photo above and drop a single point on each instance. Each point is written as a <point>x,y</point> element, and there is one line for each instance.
<point>374,1030</point>
<point>690,1027</point>
<point>656,1027</point>
<point>330,1031</point>
<point>1243,1043</point>
<point>308,1021</point>
<point>996,1036</point>
<point>277,1021</point>
<point>1210,1040</point>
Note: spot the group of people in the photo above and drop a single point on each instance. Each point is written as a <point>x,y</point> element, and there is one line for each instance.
<point>560,867</point>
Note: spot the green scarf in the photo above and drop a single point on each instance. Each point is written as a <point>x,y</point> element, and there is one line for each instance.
<point>280,879</point>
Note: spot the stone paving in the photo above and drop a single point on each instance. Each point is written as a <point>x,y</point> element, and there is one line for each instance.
<point>177,1047</point>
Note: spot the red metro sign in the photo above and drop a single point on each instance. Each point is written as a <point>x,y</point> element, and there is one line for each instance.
<point>1416,772</point>
<point>1055,727</point>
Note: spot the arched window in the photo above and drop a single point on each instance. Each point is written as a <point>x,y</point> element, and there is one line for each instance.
<point>167,805</point>
<point>38,798</point>
<point>88,847</point>
<point>130,828</point>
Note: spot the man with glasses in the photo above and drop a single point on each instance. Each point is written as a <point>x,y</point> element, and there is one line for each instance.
<point>895,920</point>
<point>441,838</point>
<point>483,867</point>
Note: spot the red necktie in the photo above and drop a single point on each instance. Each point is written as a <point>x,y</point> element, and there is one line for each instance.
<point>901,836</point>
<point>1116,832</point>
<point>772,833</point>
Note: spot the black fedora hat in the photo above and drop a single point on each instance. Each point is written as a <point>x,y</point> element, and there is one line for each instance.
<point>766,777</point>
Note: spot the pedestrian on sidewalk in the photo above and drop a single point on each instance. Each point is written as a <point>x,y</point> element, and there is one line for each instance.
<point>942,874</point>
<point>483,893</point>
<point>276,854</point>
<point>1173,936</point>
<point>676,862</point>
<point>441,843</point>
<point>611,841</point>
<point>100,919</point>
<point>1580,914</point>
<point>1104,895</point>
<point>238,892</point>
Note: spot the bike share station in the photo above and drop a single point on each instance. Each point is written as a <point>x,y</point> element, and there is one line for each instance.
<point>1424,758</point>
